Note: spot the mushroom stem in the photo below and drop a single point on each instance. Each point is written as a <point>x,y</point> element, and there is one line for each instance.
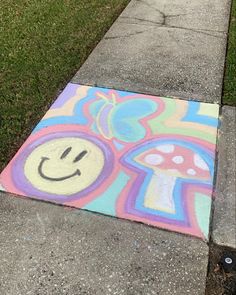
<point>159,194</point>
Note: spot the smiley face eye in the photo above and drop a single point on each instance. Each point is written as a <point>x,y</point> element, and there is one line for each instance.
<point>80,156</point>
<point>66,152</point>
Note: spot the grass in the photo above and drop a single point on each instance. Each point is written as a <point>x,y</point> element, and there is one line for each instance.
<point>43,43</point>
<point>229,92</point>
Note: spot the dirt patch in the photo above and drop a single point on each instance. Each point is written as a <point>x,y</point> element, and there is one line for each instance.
<point>221,278</point>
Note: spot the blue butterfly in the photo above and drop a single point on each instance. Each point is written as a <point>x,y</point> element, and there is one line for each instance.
<point>121,120</point>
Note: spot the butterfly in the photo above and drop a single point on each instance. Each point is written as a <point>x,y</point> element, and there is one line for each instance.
<point>117,118</point>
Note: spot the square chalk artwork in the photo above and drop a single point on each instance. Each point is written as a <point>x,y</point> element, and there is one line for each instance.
<point>140,157</point>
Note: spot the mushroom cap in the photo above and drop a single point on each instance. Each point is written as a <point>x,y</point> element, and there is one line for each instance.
<point>175,160</point>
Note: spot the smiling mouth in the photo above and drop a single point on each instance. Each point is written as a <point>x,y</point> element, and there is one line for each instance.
<point>40,171</point>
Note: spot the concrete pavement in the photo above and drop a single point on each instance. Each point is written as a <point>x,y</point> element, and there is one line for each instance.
<point>50,249</point>
<point>174,48</point>
<point>224,218</point>
<point>167,48</point>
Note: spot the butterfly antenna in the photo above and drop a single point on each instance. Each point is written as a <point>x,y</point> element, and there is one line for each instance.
<point>113,98</point>
<point>102,96</point>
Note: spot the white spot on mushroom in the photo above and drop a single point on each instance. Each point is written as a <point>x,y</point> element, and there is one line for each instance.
<point>154,159</point>
<point>166,148</point>
<point>191,172</point>
<point>178,159</point>
<point>200,163</point>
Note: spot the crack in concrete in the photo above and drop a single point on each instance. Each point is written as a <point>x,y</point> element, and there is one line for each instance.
<point>163,23</point>
<point>153,7</point>
<point>162,14</point>
<point>160,25</point>
<point>125,36</point>
<point>142,20</point>
<point>201,31</point>
<point>165,17</point>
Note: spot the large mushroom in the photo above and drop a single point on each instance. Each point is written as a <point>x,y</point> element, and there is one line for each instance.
<point>170,162</point>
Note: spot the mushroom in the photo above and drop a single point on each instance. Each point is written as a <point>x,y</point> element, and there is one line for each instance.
<point>170,162</point>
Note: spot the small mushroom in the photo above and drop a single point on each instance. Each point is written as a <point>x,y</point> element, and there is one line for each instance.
<point>170,162</point>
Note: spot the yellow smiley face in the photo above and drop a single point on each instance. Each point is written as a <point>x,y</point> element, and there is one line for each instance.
<point>64,166</point>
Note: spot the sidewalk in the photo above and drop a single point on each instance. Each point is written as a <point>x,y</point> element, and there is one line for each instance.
<point>47,249</point>
<point>165,48</point>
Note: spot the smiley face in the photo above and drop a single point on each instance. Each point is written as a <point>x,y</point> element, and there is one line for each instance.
<point>64,154</point>
<point>64,166</point>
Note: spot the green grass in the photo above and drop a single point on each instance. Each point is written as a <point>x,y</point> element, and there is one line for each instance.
<point>229,93</point>
<point>42,44</point>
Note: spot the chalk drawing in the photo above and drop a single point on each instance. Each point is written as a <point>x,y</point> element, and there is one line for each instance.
<point>139,157</point>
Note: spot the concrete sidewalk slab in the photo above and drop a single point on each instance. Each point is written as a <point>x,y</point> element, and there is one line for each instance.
<point>165,47</point>
<point>224,218</point>
<point>48,249</point>
<point>133,156</point>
